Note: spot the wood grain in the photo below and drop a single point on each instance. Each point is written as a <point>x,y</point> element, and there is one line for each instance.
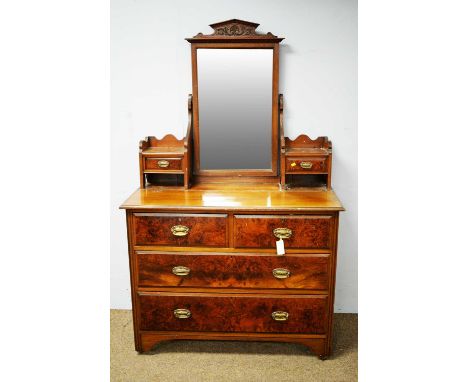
<point>234,313</point>
<point>219,196</point>
<point>319,165</point>
<point>232,270</point>
<point>256,231</point>
<point>153,164</point>
<point>204,229</point>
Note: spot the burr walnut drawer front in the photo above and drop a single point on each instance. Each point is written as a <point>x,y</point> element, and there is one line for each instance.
<point>302,231</point>
<point>158,269</point>
<point>163,164</point>
<point>233,313</point>
<point>307,165</point>
<point>180,229</point>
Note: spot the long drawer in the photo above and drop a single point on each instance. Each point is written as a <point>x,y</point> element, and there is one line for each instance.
<point>298,231</point>
<point>180,229</point>
<point>159,269</point>
<point>228,313</point>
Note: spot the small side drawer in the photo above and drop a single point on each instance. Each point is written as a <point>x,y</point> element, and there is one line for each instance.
<point>183,230</point>
<point>163,164</point>
<point>301,231</point>
<point>202,312</point>
<point>232,270</point>
<point>307,165</point>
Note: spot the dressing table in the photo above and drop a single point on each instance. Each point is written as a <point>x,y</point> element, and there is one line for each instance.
<point>207,227</point>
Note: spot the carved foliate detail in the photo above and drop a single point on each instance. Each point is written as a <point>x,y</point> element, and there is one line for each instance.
<point>235,30</point>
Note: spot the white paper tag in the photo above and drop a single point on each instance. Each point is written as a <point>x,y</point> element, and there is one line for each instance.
<point>280,247</point>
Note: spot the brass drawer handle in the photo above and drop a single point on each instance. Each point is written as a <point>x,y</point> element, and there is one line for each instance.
<point>306,165</point>
<point>282,233</point>
<point>180,270</point>
<point>280,316</point>
<point>180,230</point>
<point>163,163</point>
<point>281,273</point>
<point>182,313</point>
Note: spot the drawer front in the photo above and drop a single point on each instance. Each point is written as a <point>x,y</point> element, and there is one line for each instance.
<point>307,165</point>
<point>258,231</point>
<point>228,313</point>
<point>183,230</point>
<point>232,271</point>
<point>163,164</point>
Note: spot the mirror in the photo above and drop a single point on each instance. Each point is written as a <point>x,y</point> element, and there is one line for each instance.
<point>236,117</point>
<point>235,108</point>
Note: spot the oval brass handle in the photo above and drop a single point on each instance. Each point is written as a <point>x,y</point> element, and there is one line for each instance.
<point>163,163</point>
<point>280,316</point>
<point>182,313</point>
<point>306,164</point>
<point>180,230</point>
<point>282,233</point>
<point>281,273</point>
<point>180,270</point>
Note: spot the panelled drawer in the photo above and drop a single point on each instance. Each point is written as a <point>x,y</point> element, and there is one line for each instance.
<point>307,165</point>
<point>163,164</point>
<point>228,313</point>
<point>301,231</point>
<point>157,269</point>
<point>180,229</point>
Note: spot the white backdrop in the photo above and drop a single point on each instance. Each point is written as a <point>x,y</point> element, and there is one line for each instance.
<point>151,78</point>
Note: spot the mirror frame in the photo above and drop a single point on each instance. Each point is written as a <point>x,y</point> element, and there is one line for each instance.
<point>236,34</point>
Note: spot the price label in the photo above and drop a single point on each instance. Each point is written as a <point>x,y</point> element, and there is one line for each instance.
<point>280,247</point>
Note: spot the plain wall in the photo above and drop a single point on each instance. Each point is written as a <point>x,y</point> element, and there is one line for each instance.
<point>151,79</point>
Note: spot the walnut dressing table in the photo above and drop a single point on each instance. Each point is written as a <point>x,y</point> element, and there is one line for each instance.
<point>207,226</point>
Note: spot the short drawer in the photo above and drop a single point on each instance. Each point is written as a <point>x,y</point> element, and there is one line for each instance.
<point>163,164</point>
<point>233,313</point>
<point>183,230</point>
<point>302,231</point>
<point>307,165</point>
<point>158,269</point>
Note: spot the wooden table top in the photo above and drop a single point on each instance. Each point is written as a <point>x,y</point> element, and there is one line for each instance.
<point>233,197</point>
